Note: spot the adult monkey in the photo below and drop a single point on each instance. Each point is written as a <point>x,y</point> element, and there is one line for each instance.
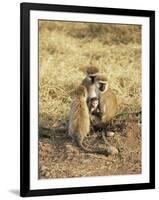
<point>107,99</point>
<point>89,81</point>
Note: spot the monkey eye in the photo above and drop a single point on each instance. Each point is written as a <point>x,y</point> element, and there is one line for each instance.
<point>101,84</point>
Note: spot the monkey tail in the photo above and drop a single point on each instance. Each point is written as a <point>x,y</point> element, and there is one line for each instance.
<point>56,129</point>
<point>109,150</point>
<point>48,132</point>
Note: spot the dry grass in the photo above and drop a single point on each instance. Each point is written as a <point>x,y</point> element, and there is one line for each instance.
<point>65,49</point>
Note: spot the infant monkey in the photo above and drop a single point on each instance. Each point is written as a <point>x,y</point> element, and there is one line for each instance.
<point>94,107</point>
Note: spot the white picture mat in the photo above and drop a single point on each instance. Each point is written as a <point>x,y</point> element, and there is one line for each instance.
<point>35,183</point>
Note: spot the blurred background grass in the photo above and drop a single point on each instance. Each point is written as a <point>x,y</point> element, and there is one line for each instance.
<point>66,48</point>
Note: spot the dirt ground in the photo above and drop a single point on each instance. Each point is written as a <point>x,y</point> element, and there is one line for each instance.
<point>59,157</point>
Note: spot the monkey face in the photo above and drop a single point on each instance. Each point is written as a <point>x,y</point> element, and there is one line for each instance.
<point>102,86</point>
<point>92,78</point>
<point>94,104</point>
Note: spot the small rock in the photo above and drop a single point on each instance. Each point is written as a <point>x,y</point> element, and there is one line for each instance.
<point>112,150</point>
<point>110,134</point>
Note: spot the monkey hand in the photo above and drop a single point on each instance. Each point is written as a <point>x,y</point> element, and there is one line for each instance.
<point>99,114</point>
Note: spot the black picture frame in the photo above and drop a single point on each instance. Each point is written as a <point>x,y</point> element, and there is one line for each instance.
<point>25,9</point>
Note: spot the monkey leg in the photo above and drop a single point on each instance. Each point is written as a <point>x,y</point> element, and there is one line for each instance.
<point>105,139</point>
<point>108,150</point>
<point>92,130</point>
<point>111,150</point>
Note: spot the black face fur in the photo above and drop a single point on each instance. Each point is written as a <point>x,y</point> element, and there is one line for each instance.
<point>92,77</point>
<point>102,87</point>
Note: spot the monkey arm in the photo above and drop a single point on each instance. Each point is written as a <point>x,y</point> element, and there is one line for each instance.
<point>98,114</point>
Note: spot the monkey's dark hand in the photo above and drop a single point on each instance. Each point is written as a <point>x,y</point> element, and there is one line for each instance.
<point>98,114</point>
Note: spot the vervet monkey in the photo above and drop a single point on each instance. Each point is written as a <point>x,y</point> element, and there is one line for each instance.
<point>79,121</point>
<point>89,81</point>
<point>93,106</point>
<point>108,100</point>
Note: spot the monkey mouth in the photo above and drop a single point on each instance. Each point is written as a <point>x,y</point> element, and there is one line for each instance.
<point>102,88</point>
<point>92,79</point>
